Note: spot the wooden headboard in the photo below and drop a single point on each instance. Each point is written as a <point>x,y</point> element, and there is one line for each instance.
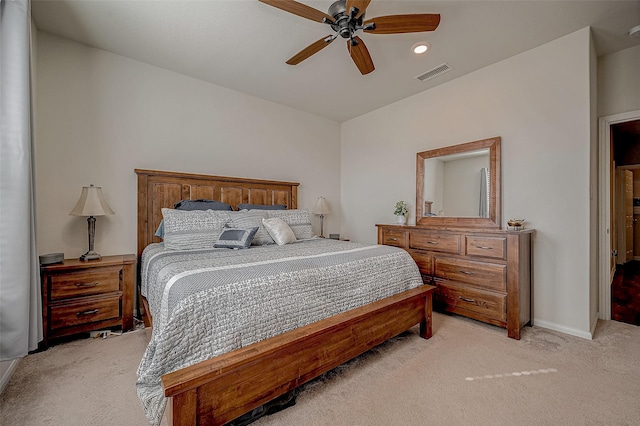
<point>157,189</point>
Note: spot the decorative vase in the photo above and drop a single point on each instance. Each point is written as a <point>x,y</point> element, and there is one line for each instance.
<point>402,220</point>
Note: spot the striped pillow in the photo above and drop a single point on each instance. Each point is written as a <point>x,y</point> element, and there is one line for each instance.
<point>191,230</point>
<point>251,219</point>
<point>298,220</point>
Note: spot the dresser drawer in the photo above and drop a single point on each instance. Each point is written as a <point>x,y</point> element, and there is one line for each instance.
<point>84,312</point>
<point>392,237</point>
<point>464,300</point>
<point>424,262</point>
<point>487,275</point>
<point>85,282</point>
<point>493,247</point>
<point>433,241</point>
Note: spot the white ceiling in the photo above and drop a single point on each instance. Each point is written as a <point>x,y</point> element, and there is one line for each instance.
<point>243,44</point>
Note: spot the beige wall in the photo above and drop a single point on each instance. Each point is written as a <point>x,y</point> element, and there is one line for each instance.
<point>618,82</point>
<point>101,115</point>
<point>539,103</point>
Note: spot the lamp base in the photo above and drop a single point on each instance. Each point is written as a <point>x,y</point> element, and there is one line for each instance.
<point>90,255</point>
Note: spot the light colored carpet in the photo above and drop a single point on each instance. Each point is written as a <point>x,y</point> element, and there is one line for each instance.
<point>468,373</point>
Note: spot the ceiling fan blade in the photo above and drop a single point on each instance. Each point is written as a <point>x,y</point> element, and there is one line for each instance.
<point>361,5</point>
<point>312,49</point>
<point>396,24</point>
<point>299,9</point>
<point>360,55</point>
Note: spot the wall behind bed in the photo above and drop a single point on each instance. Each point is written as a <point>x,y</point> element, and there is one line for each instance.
<point>100,115</point>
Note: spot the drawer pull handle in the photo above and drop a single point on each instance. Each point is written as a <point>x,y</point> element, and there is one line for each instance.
<point>85,285</point>
<point>464,299</point>
<point>432,242</point>
<point>392,239</point>
<point>467,272</point>
<point>90,312</point>
<point>484,247</point>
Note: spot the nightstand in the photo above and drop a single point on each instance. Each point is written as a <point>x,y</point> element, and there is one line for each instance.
<point>79,296</point>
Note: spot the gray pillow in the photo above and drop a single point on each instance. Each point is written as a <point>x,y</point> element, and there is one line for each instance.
<point>299,220</point>
<point>235,238</point>
<point>194,205</point>
<point>190,230</point>
<point>262,207</point>
<point>202,204</point>
<point>250,219</point>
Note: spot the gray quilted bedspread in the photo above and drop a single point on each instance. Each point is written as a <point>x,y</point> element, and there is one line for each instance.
<point>208,302</point>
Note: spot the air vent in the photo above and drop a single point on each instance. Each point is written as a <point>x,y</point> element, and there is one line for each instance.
<point>440,69</point>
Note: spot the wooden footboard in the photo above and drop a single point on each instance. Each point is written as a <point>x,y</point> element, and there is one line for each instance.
<point>218,390</point>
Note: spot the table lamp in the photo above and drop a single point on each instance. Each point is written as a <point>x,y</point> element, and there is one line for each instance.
<point>321,209</point>
<point>91,204</point>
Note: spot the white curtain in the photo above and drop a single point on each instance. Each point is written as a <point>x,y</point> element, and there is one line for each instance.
<point>20,305</point>
<point>483,210</point>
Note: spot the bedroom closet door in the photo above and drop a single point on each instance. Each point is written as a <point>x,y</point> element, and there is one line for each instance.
<point>625,215</point>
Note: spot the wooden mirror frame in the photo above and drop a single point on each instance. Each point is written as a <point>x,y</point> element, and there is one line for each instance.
<point>495,198</point>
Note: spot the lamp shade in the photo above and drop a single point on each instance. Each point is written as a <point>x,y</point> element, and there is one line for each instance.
<point>321,206</point>
<point>91,203</point>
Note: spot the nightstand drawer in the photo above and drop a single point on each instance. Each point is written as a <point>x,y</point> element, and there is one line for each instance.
<point>83,312</point>
<point>482,274</point>
<point>85,282</point>
<point>461,299</point>
<point>433,241</point>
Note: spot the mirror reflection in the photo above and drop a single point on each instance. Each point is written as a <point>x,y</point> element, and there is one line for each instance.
<point>457,184</point>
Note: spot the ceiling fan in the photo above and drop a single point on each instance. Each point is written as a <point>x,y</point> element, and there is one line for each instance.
<point>346,18</point>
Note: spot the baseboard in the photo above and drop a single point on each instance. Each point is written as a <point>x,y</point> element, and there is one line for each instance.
<point>563,329</point>
<point>6,370</point>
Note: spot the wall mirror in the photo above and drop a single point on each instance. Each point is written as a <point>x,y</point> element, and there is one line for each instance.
<point>460,185</point>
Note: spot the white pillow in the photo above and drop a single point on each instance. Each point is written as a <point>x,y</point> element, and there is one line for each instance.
<point>279,230</point>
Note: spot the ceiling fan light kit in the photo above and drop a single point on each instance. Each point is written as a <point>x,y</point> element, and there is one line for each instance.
<point>346,18</point>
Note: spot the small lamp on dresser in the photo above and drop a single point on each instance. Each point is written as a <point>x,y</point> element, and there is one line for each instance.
<point>321,209</point>
<point>91,204</point>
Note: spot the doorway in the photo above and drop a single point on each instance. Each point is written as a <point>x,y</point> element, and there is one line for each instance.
<point>618,134</point>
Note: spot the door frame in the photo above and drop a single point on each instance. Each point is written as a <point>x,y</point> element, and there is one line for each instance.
<point>604,207</point>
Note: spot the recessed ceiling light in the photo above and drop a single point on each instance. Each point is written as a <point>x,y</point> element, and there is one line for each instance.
<point>420,48</point>
<point>635,31</point>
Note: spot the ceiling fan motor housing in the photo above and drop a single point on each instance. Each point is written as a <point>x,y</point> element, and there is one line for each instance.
<point>342,24</point>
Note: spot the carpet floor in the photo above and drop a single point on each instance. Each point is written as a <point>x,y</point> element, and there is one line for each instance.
<point>468,373</point>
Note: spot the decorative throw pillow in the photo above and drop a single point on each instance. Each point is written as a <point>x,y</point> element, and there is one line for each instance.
<point>298,220</point>
<point>250,219</point>
<point>235,238</point>
<point>190,230</point>
<point>261,207</point>
<point>279,231</point>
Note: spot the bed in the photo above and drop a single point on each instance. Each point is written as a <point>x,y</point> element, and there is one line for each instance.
<point>263,364</point>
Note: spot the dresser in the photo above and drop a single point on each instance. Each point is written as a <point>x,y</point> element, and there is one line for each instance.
<point>79,296</point>
<point>481,274</point>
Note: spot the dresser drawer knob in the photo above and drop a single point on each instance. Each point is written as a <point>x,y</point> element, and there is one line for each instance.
<point>392,239</point>
<point>432,242</point>
<point>464,299</point>
<point>85,285</point>
<point>484,247</point>
<point>466,272</point>
<point>90,312</point>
